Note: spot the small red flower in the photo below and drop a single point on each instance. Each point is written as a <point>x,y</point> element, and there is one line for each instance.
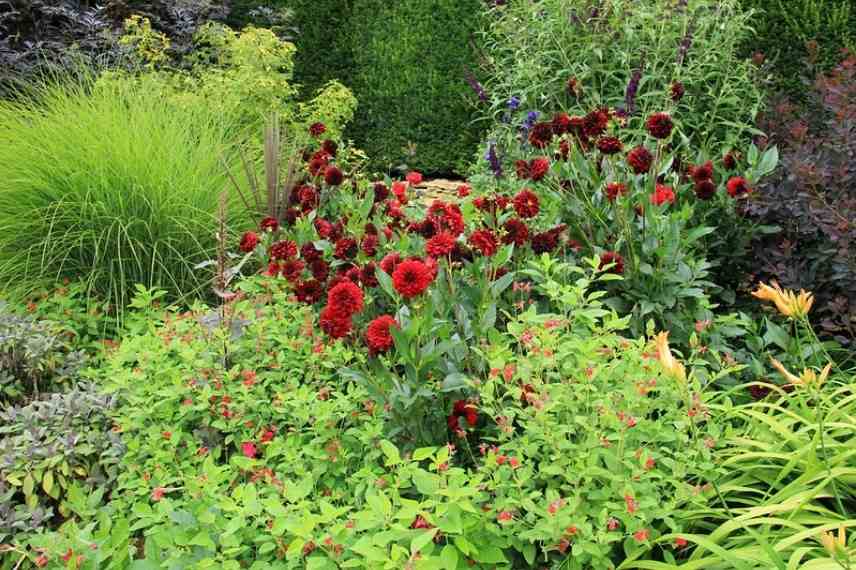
<point>346,297</point>
<point>378,335</point>
<point>737,186</point>
<point>41,561</point>
<point>333,323</point>
<point>659,125</point>
<point>546,242</point>
<point>504,517</point>
<point>158,493</point>
<point>612,257</point>
<point>400,191</point>
<point>282,250</point>
<point>704,190</point>
<point>729,161</point>
<point>526,204</point>
<point>541,135</point>
<point>369,244</point>
<point>516,232</point>
<point>440,245</point>
<point>414,178</point>
<point>680,542</point>
<point>333,176</point>
<point>677,91</point>
<point>249,241</point>
<point>317,129</point>
<point>609,145</point>
<point>411,277</point>
<point>703,172</point>
<point>561,123</point>
<point>662,194</point>
<point>614,190</point>
<point>346,248</point>
<point>269,224</point>
<point>594,124</point>
<point>521,167</point>
<point>484,241</point>
<point>538,168</point>
<point>463,190</point>
<point>640,159</point>
<point>641,535</point>
<point>248,448</point>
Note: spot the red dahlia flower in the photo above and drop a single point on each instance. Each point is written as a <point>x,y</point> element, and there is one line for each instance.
<point>614,190</point>
<point>538,168</point>
<point>546,242</point>
<point>414,178</point>
<point>463,190</point>
<point>307,195</point>
<point>284,249</point>
<point>309,253</point>
<point>333,323</point>
<point>526,204</point>
<point>640,159</point>
<point>249,241</point>
<point>330,147</point>
<point>292,269</point>
<point>381,192</point>
<point>269,224</point>
<point>333,176</point>
<point>411,277</point>
<point>369,244</point>
<point>595,123</point>
<point>462,409</point>
<point>677,91</point>
<point>346,297</point>
<point>662,194</point>
<point>378,336</point>
<point>317,165</point>
<point>320,270</point>
<point>521,167</point>
<point>367,275</point>
<point>346,248</point>
<point>612,257</point>
<point>737,186</point>
<point>703,172</point>
<point>561,124</point>
<point>729,161</point>
<point>659,125</point>
<point>484,241</point>
<point>516,232</point>
<point>400,191</point>
<point>609,145</point>
<point>440,245</point>
<point>564,150</point>
<point>317,129</point>
<point>390,262</point>
<point>541,135</point>
<point>309,292</point>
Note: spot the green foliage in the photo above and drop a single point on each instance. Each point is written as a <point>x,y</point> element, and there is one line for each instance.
<point>536,48</point>
<point>109,183</point>
<point>793,33</point>
<point>410,62</point>
<point>51,451</point>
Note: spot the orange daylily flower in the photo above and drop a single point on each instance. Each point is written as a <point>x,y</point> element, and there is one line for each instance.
<point>807,379</point>
<point>790,304</point>
<point>672,366</point>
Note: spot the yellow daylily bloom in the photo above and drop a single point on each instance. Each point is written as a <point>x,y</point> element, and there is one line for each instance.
<point>672,366</point>
<point>807,379</point>
<point>834,544</point>
<point>790,304</point>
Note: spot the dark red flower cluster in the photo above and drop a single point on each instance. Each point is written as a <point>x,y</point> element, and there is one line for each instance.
<point>484,241</point>
<point>462,409</point>
<point>677,91</point>
<point>659,125</point>
<point>317,129</point>
<point>249,241</point>
<point>411,277</point>
<point>538,168</point>
<point>344,300</point>
<point>609,145</point>
<point>541,135</point>
<point>614,190</point>
<point>282,250</point>
<point>737,186</point>
<point>547,241</point>
<point>269,224</point>
<point>516,232</point>
<point>662,195</point>
<point>594,124</point>
<point>333,176</point>
<point>611,257</point>
<point>729,161</point>
<point>378,336</point>
<point>640,159</point>
<point>703,184</point>
<point>561,124</point>
<point>441,245</point>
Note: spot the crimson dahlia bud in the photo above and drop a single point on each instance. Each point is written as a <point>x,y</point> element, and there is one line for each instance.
<point>659,125</point>
<point>249,241</point>
<point>317,129</point>
<point>677,91</point>
<point>640,159</point>
<point>333,176</point>
<point>609,145</point>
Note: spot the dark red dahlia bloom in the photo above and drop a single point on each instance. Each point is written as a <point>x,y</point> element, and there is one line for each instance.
<point>612,257</point>
<point>292,269</point>
<point>273,269</point>
<point>595,123</point>
<point>614,190</point>
<point>320,270</point>
<point>317,165</point>
<point>659,125</point>
<point>484,241</point>
<point>640,159</point>
<point>703,172</point>
<point>307,195</point>
<point>609,145</point>
<point>541,135</point>
<point>420,523</point>
<point>317,129</point>
<point>516,232</point>
<point>526,204</point>
<point>561,124</point>
<point>333,323</point>
<point>324,228</point>
<point>414,178</point>
<point>564,150</point>
<point>347,297</point>
<point>737,186</point>
<point>269,224</point>
<point>381,192</point>
<point>545,242</point>
<point>291,216</point>
<point>249,241</point>
<point>521,167</point>
<point>330,147</point>
<point>333,176</point>
<point>463,190</point>
<point>705,189</point>
<point>462,409</point>
<point>440,245</point>
<point>367,275</point>
<point>369,244</point>
<point>662,194</point>
<point>390,262</point>
<point>284,249</point>
<point>677,91</point>
<point>729,161</point>
<point>346,248</point>
<point>309,253</point>
<point>411,277</point>
<point>378,336</point>
<point>538,168</point>
<point>502,202</point>
<point>400,190</point>
<point>309,292</point>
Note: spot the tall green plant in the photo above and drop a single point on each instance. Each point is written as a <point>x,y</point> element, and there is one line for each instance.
<point>109,183</point>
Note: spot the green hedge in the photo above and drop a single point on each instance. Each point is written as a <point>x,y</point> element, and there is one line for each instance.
<point>405,61</point>
<point>785,26</point>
